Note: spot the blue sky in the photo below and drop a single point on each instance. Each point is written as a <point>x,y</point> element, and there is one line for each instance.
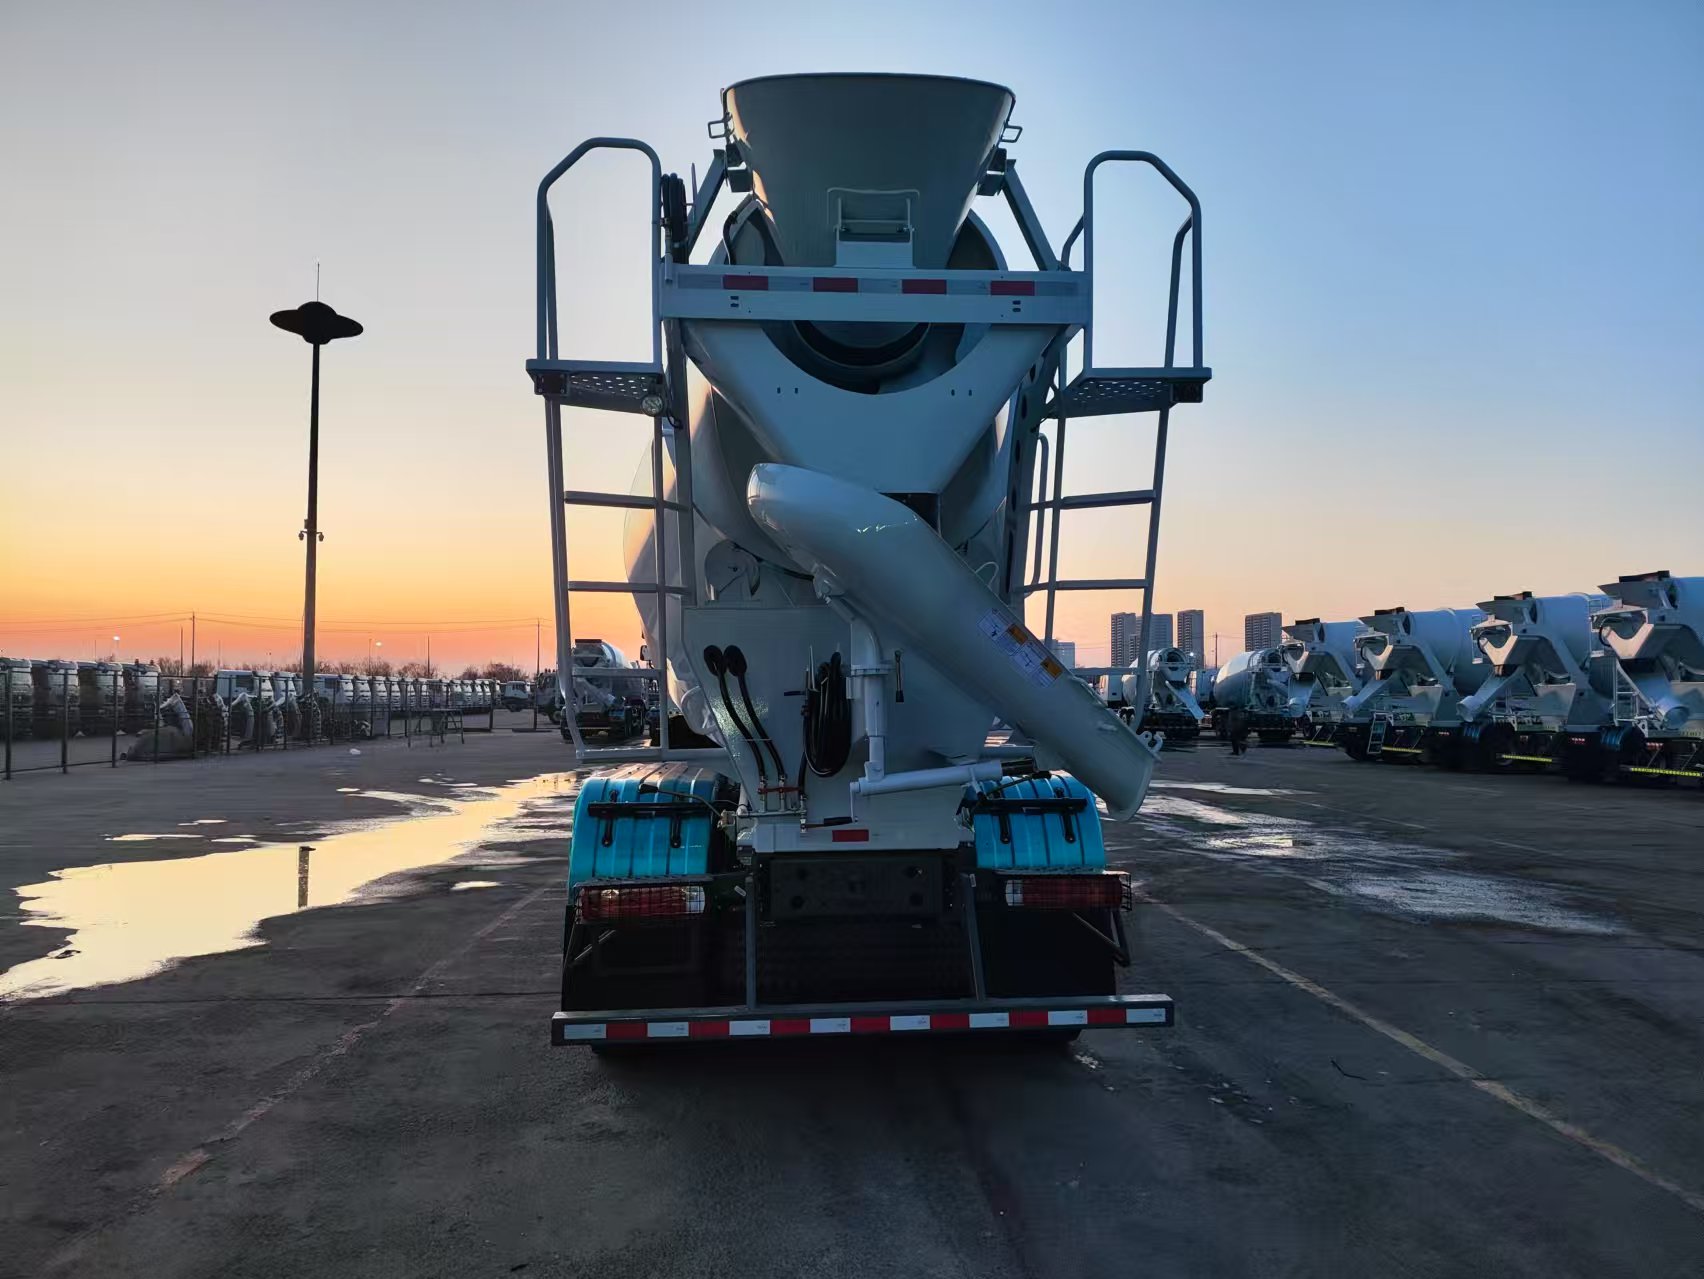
<point>1453,253</point>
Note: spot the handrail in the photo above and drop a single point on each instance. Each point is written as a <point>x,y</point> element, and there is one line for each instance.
<point>547,242</point>
<point>1086,228</point>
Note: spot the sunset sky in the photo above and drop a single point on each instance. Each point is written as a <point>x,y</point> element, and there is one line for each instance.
<point>1455,297</point>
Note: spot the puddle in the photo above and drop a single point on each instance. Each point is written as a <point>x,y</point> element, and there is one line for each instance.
<point>1394,876</point>
<point>1223,788</point>
<point>474,883</point>
<point>205,821</point>
<point>1207,814</point>
<point>1449,895</point>
<point>137,839</point>
<point>128,920</point>
<point>1267,845</point>
<point>237,839</point>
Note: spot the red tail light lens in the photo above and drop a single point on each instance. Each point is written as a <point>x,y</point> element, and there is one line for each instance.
<point>1102,890</point>
<point>641,901</point>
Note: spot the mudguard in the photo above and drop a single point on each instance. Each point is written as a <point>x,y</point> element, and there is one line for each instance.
<point>667,830</point>
<point>1047,823</point>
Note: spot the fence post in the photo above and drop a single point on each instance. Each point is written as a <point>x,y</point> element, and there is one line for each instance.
<point>116,703</point>
<point>10,712</point>
<point>65,722</point>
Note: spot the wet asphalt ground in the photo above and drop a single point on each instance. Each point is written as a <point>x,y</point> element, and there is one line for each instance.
<point>1429,1024</point>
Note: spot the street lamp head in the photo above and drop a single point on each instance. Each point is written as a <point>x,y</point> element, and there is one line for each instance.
<point>316,323</point>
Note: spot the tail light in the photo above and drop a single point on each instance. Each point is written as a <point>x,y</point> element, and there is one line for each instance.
<point>641,901</point>
<point>1101,890</point>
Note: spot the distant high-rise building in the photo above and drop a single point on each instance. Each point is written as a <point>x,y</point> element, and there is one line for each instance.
<point>1066,652</point>
<point>1159,632</point>
<point>1124,642</point>
<point>1262,630</point>
<point>1192,634</point>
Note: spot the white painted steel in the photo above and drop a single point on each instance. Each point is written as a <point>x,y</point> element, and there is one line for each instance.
<point>805,136</point>
<point>1538,647</point>
<point>1655,629</point>
<point>893,569</point>
<point>1421,663</point>
<point>1168,689</point>
<point>1256,680</point>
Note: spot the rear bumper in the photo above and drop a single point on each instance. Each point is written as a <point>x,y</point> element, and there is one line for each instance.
<point>797,1021</point>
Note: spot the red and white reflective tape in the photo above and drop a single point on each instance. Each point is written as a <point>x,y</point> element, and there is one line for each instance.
<point>879,1024</point>
<point>1053,284</point>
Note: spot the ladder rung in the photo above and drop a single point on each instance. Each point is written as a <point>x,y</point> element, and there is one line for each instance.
<point>1091,584</point>
<point>1088,501</point>
<point>624,588</point>
<point>626,501</point>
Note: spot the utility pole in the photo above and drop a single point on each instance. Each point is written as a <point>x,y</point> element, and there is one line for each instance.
<point>316,324</point>
<point>191,641</point>
<point>428,657</point>
<point>538,651</point>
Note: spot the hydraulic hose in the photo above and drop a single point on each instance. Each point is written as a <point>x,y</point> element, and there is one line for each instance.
<point>715,662</point>
<point>828,720</point>
<point>733,658</point>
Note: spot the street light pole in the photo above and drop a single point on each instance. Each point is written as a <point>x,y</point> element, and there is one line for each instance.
<point>310,530</point>
<point>316,324</point>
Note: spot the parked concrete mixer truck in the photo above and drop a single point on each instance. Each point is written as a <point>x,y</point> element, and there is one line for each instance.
<point>1326,670</point>
<point>1420,663</point>
<point>609,691</point>
<point>1172,709</point>
<point>846,388</point>
<point>1654,628</point>
<point>1256,685</point>
<point>1542,685</point>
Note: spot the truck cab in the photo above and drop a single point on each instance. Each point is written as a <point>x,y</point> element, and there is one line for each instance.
<point>58,704</point>
<point>100,694</point>
<point>141,695</point>
<point>18,689</point>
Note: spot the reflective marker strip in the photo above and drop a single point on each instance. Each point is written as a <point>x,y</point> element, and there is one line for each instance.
<point>880,1023</point>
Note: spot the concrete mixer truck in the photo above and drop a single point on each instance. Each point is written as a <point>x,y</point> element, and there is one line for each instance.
<point>1172,709</point>
<point>1420,664</point>
<point>609,691</point>
<point>846,390</point>
<point>1543,683</point>
<point>1325,671</point>
<point>1255,684</point>
<point>1654,629</point>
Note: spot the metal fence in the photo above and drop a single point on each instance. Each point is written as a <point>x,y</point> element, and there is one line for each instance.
<point>72,719</point>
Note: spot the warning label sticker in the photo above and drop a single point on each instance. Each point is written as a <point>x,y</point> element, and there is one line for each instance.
<point>1022,649</point>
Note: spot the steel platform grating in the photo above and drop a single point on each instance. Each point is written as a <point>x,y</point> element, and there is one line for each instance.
<point>620,388</point>
<point>1098,392</point>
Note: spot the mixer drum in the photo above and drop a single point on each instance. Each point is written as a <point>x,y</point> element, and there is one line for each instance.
<point>815,142</point>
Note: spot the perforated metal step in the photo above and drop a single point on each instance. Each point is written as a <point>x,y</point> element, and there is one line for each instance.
<point>1098,392</point>
<point>618,387</point>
